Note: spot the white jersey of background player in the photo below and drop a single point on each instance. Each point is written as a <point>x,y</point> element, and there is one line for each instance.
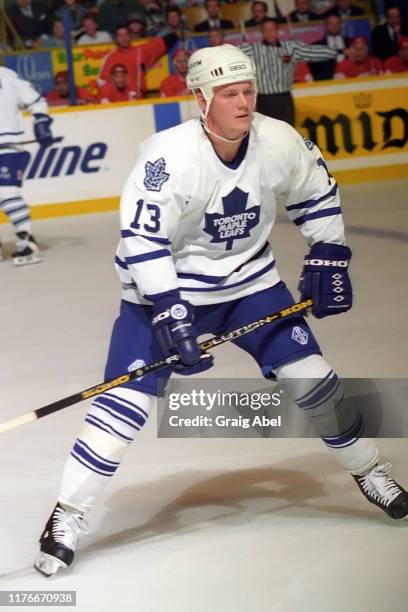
<point>196,215</point>
<point>16,94</point>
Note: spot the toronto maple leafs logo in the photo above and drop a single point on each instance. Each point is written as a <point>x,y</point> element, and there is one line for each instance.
<point>155,175</point>
<point>236,222</point>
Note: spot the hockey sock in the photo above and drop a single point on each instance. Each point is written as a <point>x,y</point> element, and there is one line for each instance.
<point>110,425</point>
<point>15,208</point>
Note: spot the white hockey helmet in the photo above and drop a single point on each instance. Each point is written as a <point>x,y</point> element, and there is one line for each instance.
<point>213,66</point>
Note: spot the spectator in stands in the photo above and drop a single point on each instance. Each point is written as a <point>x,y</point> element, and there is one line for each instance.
<point>174,21</point>
<point>359,63</point>
<point>59,96</point>
<point>175,84</point>
<point>118,88</point>
<point>259,11</point>
<point>115,13</point>
<point>302,12</point>
<point>345,9</point>
<point>214,19</point>
<point>215,37</point>
<point>302,73</point>
<point>334,40</point>
<point>385,38</point>
<point>398,63</point>
<point>136,26</point>
<point>56,39</point>
<point>76,12</point>
<point>154,13</point>
<point>30,20</point>
<point>91,35</point>
<point>136,59</point>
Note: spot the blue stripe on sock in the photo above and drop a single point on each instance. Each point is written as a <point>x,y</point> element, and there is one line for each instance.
<point>90,467</point>
<point>98,465</point>
<point>113,404</point>
<point>93,420</point>
<point>121,399</point>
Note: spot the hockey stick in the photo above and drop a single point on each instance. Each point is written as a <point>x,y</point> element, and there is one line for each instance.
<point>8,145</point>
<point>149,368</point>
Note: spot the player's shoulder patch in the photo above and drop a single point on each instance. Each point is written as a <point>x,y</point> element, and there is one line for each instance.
<point>156,174</point>
<point>309,143</point>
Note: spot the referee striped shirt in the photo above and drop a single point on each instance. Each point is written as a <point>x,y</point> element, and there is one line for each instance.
<point>275,65</point>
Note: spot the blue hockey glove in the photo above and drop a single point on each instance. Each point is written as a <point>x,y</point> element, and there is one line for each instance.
<point>172,321</point>
<point>325,279</point>
<point>42,129</point>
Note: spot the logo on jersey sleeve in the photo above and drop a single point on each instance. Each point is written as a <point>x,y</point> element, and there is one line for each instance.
<point>236,222</point>
<point>155,175</point>
<point>309,143</point>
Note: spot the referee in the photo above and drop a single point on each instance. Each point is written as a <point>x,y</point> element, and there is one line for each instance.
<point>275,63</point>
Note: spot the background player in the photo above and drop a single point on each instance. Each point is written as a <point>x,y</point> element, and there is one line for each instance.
<point>194,257</point>
<point>17,94</point>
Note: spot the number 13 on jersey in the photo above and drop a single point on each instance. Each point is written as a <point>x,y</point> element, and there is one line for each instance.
<point>154,213</point>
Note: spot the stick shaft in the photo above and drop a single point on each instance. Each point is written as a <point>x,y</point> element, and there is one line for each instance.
<point>151,367</point>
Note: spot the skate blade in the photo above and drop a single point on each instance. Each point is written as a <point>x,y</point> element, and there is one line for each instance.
<point>26,260</point>
<point>48,565</point>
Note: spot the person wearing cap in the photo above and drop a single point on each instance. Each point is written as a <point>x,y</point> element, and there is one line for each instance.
<point>118,88</point>
<point>195,257</point>
<point>398,63</point>
<point>136,26</point>
<point>175,84</point>
<point>137,59</point>
<point>359,63</point>
<point>59,95</point>
<point>91,35</point>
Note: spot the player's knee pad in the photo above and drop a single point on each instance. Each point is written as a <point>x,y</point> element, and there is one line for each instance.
<point>313,385</point>
<point>120,412</point>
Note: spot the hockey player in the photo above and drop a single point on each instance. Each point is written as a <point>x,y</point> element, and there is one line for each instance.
<point>17,94</point>
<point>194,257</point>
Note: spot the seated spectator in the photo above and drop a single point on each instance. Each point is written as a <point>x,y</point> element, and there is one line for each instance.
<point>137,59</point>
<point>154,13</point>
<point>174,21</point>
<point>302,12</point>
<point>214,19</point>
<point>302,73</point>
<point>175,84</point>
<point>59,96</point>
<point>55,39</point>
<point>115,13</point>
<point>398,63</point>
<point>359,63</point>
<point>76,12</point>
<point>30,20</point>
<point>259,11</point>
<point>91,35</point>
<point>385,38</point>
<point>136,26</point>
<point>118,88</point>
<point>345,9</point>
<point>215,37</point>
<point>334,40</point>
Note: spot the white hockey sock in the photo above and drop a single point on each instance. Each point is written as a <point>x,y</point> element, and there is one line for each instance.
<point>15,208</point>
<point>111,424</point>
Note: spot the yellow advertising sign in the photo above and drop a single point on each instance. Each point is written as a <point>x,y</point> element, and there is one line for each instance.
<point>88,60</point>
<point>357,124</point>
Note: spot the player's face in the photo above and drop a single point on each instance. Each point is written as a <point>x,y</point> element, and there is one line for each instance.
<point>231,109</point>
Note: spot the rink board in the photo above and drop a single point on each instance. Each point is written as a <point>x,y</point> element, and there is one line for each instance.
<point>361,127</point>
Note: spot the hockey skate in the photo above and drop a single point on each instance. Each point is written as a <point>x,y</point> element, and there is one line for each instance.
<point>383,491</point>
<point>27,251</point>
<point>59,540</point>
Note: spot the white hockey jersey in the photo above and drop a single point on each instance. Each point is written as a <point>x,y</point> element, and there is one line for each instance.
<point>16,94</point>
<point>192,222</point>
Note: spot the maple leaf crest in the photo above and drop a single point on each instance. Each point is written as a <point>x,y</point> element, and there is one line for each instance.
<point>155,175</point>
